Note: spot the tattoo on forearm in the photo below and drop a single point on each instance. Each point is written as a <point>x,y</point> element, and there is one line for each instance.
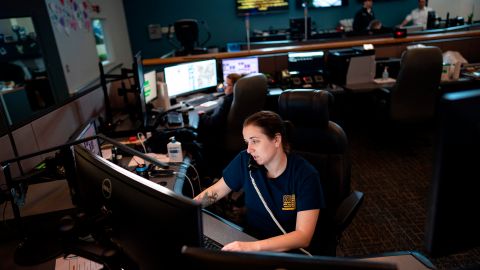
<point>209,199</point>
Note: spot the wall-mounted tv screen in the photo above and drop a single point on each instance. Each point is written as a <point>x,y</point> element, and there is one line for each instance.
<point>241,66</point>
<point>187,78</point>
<point>322,3</point>
<point>251,7</point>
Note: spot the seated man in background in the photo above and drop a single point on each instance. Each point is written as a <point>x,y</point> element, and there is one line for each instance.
<point>363,17</point>
<point>419,15</point>
<point>212,126</point>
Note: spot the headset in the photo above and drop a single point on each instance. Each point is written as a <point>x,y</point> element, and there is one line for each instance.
<point>253,165</point>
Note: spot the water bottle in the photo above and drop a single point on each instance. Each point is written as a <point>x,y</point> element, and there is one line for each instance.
<point>174,149</point>
<point>385,74</point>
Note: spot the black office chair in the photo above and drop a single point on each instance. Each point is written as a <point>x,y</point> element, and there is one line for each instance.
<point>186,31</point>
<point>412,98</point>
<point>249,95</point>
<point>324,144</point>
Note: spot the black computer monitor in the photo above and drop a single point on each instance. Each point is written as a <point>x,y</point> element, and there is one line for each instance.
<point>188,78</point>
<point>201,258</point>
<point>89,129</point>
<point>297,28</point>
<point>242,66</point>
<point>149,222</point>
<point>306,63</point>
<point>139,81</point>
<point>452,220</point>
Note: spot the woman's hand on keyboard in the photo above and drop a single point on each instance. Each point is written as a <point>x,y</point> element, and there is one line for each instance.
<point>241,246</point>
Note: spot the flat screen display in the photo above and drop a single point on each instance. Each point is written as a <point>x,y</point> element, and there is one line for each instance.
<point>241,66</point>
<point>305,62</point>
<point>260,6</point>
<point>150,86</point>
<point>89,129</point>
<point>187,78</point>
<point>322,3</point>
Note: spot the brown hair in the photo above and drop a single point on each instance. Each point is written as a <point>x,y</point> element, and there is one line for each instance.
<point>234,77</point>
<point>271,124</point>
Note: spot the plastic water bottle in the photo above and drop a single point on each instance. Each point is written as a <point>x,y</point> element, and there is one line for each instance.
<point>174,149</point>
<point>385,74</point>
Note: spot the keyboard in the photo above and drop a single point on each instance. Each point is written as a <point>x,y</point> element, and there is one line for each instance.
<point>200,99</point>
<point>209,243</point>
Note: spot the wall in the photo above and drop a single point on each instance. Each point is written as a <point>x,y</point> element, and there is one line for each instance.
<point>225,26</point>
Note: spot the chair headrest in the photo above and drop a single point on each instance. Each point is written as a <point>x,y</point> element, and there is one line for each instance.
<point>305,107</point>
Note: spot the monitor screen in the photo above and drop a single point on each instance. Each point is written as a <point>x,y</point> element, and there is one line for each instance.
<point>305,62</point>
<point>149,222</point>
<point>322,3</point>
<point>213,259</point>
<point>452,219</point>
<point>241,66</point>
<point>252,7</point>
<point>88,129</point>
<point>187,78</point>
<point>150,86</point>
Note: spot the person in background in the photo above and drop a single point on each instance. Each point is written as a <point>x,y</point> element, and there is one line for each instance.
<point>217,119</point>
<point>419,15</point>
<point>363,17</point>
<point>288,184</point>
<point>212,126</point>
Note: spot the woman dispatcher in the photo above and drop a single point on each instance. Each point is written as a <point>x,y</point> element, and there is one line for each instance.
<point>287,183</point>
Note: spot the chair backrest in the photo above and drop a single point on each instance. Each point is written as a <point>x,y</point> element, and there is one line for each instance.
<point>324,144</point>
<point>413,95</point>
<point>249,95</point>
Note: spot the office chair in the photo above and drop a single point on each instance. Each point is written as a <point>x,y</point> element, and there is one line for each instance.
<point>186,31</point>
<point>412,98</point>
<point>249,95</point>
<point>324,144</point>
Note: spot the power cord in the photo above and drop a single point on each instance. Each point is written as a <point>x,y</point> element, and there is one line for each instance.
<point>141,138</point>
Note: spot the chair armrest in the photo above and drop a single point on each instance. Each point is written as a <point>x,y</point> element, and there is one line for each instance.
<point>347,210</point>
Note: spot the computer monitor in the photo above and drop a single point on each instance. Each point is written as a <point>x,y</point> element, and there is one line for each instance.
<point>322,3</point>
<point>242,66</point>
<point>150,86</point>
<point>139,81</point>
<point>213,259</point>
<point>187,78</point>
<point>452,221</point>
<point>149,222</point>
<point>297,28</point>
<point>307,63</point>
<point>89,129</point>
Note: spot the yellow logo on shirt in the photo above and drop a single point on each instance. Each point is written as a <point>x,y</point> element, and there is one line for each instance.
<point>289,202</point>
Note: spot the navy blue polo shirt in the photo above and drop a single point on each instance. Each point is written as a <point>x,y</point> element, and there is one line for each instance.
<point>296,189</point>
